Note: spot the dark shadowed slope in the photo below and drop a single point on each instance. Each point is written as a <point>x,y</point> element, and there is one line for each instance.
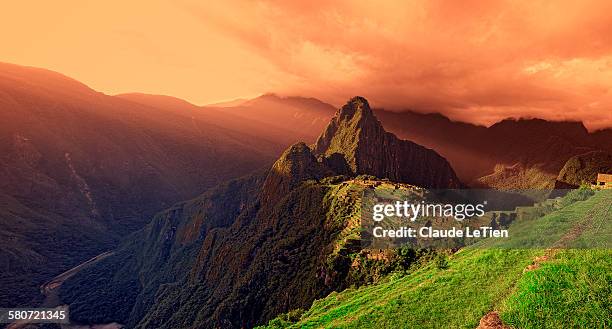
<point>79,169</point>
<point>512,149</point>
<point>453,140</point>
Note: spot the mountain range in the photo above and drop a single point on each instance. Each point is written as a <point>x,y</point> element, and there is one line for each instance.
<point>535,149</point>
<point>265,244</point>
<point>82,172</point>
<point>280,228</point>
<point>80,169</point>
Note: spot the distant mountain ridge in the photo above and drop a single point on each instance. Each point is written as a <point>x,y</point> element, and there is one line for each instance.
<point>532,150</point>
<point>304,117</point>
<point>474,151</point>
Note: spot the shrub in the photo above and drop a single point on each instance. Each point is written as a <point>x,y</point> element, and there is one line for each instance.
<point>441,262</point>
<point>580,194</point>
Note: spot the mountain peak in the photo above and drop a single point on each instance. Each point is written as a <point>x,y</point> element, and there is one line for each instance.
<point>348,127</point>
<point>356,143</point>
<point>356,107</point>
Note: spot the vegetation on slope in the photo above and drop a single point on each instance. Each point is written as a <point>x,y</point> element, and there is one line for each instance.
<point>570,289</point>
<point>583,169</point>
<point>283,258</point>
<point>307,244</point>
<point>30,239</point>
<point>123,286</point>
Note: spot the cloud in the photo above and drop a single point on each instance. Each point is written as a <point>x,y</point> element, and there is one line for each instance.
<point>474,60</point>
<point>478,61</point>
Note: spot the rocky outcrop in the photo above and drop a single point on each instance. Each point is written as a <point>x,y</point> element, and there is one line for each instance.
<point>356,143</point>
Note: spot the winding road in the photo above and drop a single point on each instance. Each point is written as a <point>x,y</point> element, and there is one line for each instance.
<point>50,290</point>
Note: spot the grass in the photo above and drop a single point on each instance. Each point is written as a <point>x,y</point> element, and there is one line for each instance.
<point>570,290</point>
<point>431,298</point>
<point>574,290</point>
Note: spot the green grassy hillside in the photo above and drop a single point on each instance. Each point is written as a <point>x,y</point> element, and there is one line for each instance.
<point>553,286</point>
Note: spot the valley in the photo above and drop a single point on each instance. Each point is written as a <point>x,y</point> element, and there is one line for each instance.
<point>50,291</point>
<point>80,170</point>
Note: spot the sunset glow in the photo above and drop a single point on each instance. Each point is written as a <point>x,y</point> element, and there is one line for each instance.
<point>477,61</point>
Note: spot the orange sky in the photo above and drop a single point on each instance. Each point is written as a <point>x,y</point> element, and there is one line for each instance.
<point>472,60</point>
